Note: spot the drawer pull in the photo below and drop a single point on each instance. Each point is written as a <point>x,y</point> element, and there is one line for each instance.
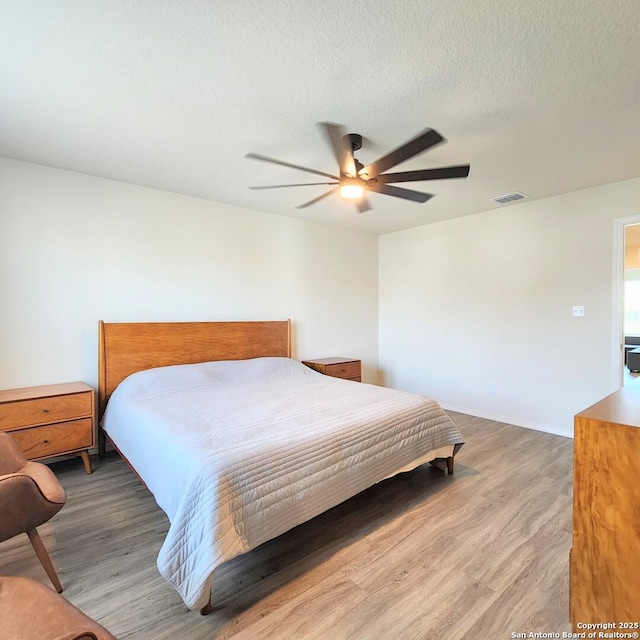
<point>45,411</point>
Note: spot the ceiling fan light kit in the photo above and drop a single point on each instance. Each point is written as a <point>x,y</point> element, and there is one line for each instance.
<point>352,188</point>
<point>354,179</point>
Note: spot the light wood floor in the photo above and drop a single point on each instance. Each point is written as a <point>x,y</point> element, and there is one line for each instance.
<point>421,556</point>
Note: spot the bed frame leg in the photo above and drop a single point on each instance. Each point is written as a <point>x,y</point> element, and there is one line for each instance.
<point>450,465</point>
<point>102,443</point>
<point>207,609</point>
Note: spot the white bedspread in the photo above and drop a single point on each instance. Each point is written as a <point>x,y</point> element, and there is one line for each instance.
<point>238,452</point>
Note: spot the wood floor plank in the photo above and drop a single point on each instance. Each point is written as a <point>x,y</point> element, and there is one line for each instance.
<point>475,556</point>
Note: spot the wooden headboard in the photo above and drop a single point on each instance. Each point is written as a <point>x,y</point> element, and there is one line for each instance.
<point>127,347</point>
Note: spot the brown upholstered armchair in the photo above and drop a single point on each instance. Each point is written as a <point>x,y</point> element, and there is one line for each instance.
<point>31,611</point>
<point>29,496</point>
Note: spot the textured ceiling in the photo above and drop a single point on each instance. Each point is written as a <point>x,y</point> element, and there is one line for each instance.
<point>539,97</point>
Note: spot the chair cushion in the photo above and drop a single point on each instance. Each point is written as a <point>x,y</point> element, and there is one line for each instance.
<point>29,610</point>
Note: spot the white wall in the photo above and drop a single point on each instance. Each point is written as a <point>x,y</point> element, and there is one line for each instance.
<point>462,303</point>
<point>75,249</point>
<point>487,299</point>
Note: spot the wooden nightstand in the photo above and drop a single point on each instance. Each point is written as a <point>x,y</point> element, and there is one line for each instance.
<point>51,420</point>
<point>346,368</point>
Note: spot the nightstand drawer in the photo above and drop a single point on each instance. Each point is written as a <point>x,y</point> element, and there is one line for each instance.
<point>54,439</point>
<point>28,413</point>
<point>343,370</point>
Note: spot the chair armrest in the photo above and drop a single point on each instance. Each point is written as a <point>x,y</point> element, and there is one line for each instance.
<point>49,486</point>
<point>22,505</point>
<point>11,458</point>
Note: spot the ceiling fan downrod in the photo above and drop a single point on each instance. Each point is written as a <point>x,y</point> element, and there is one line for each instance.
<point>355,140</point>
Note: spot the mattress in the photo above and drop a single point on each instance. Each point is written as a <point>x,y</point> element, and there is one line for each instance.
<point>238,452</point>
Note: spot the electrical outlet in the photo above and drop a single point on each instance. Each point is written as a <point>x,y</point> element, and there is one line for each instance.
<point>578,311</point>
<point>491,388</point>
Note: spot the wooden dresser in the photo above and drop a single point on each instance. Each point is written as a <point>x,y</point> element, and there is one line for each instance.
<point>51,420</point>
<point>337,367</point>
<point>605,557</point>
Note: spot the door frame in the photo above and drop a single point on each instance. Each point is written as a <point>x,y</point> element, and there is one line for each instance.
<point>617,320</point>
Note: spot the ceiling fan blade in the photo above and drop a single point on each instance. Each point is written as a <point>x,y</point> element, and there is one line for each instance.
<point>399,192</point>
<point>257,156</point>
<point>300,184</point>
<point>336,135</point>
<point>363,205</point>
<point>427,139</point>
<point>442,173</point>
<point>324,195</point>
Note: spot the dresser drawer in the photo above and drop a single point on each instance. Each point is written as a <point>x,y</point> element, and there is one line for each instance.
<point>37,411</point>
<point>343,370</point>
<point>54,439</point>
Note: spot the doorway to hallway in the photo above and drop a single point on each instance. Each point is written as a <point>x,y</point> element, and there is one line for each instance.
<point>627,300</point>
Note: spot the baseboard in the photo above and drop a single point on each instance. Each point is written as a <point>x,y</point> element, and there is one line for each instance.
<point>507,420</point>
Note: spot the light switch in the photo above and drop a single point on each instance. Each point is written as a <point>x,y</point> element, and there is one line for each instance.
<point>578,311</point>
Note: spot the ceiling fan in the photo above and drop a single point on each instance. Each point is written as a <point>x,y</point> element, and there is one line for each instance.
<point>354,179</point>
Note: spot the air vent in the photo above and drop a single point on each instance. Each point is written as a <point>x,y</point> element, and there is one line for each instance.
<point>510,197</point>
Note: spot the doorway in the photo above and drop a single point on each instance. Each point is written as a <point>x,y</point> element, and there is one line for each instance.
<point>626,289</point>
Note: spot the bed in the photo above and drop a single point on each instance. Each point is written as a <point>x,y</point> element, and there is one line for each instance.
<point>239,443</point>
